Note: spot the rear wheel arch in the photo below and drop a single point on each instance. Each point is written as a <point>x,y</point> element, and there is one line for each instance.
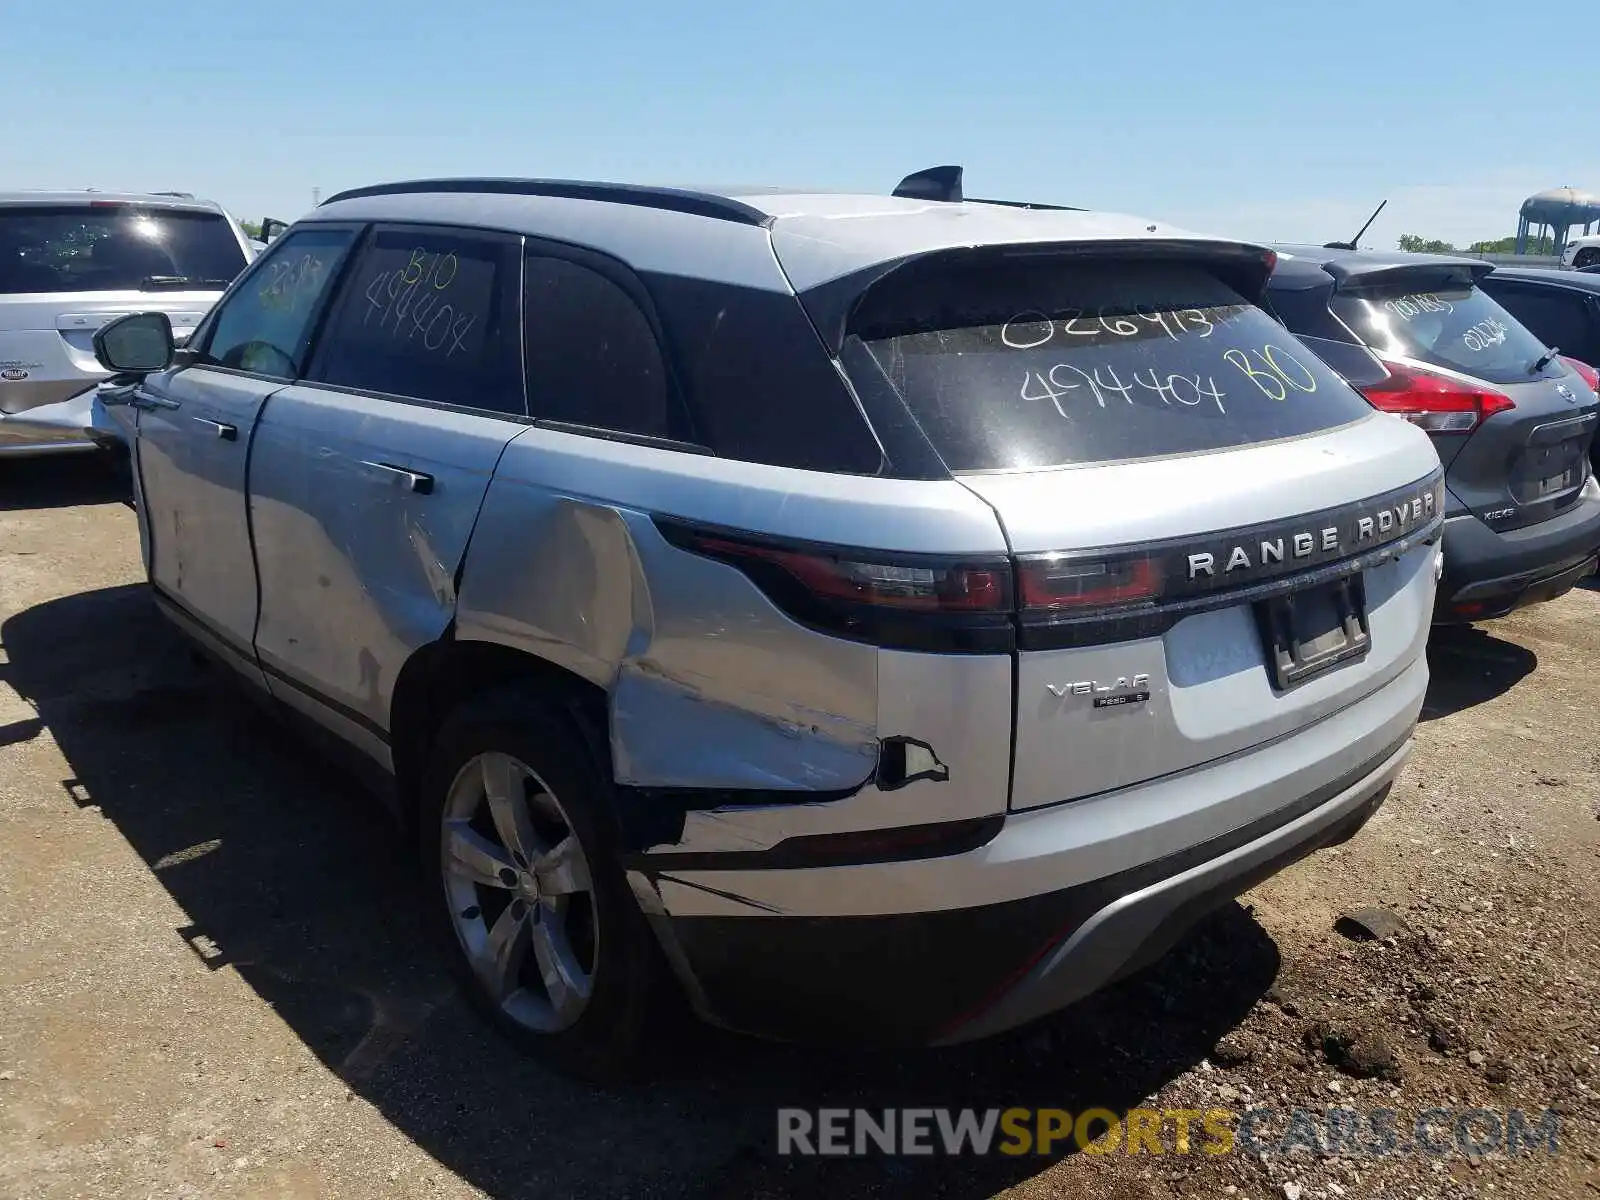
<point>443,676</point>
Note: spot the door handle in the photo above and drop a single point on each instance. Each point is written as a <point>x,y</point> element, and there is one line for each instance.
<point>228,433</point>
<point>149,400</point>
<point>418,481</point>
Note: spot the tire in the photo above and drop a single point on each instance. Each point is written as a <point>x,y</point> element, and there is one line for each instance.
<point>1587,257</point>
<point>536,921</point>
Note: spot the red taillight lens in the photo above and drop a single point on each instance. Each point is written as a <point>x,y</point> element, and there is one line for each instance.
<point>954,604</point>
<point>919,588</point>
<point>1434,402</point>
<point>1585,372</point>
<point>1053,583</point>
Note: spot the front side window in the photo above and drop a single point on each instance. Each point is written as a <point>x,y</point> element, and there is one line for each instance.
<point>108,246</point>
<point>1458,327</point>
<point>1039,365</point>
<point>265,325</point>
<point>429,314</point>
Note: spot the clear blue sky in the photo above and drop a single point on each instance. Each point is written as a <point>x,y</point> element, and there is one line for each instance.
<point>1269,120</point>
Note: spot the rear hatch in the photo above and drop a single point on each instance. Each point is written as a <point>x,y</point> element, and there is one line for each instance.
<point>1512,423</point>
<point>68,268</point>
<point>1217,542</point>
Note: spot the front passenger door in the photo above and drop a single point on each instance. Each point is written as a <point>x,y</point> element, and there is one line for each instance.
<point>194,429</point>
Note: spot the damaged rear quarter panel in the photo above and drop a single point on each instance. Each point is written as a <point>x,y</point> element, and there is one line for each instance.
<point>709,684</point>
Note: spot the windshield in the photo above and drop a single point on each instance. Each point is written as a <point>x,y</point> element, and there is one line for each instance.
<point>1460,328</point>
<point>115,247</point>
<point>1096,364</point>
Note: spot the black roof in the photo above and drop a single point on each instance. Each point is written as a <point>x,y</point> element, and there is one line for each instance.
<point>1302,267</point>
<point>1577,281</point>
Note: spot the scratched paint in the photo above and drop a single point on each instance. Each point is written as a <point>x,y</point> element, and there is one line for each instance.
<point>667,734</point>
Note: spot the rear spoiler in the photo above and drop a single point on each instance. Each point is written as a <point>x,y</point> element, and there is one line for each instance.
<point>943,185</point>
<point>1243,266</point>
<point>1399,273</point>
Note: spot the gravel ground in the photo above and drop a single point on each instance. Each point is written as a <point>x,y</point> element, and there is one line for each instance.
<point>210,983</point>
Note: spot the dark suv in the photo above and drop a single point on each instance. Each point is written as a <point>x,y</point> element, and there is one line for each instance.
<point>1560,307</point>
<point>1512,421</point>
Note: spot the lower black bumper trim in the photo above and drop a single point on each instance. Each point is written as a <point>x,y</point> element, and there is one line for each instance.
<point>904,979</point>
<point>1492,598</point>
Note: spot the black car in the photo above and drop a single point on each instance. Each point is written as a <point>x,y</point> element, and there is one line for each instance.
<point>1512,421</point>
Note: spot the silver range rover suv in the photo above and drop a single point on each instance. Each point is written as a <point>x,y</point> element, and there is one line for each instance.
<point>890,619</point>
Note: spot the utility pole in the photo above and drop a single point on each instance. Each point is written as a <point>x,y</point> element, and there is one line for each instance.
<point>316,196</point>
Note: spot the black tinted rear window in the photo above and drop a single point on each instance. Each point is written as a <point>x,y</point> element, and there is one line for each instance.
<point>114,247</point>
<point>1040,365</point>
<point>1460,328</point>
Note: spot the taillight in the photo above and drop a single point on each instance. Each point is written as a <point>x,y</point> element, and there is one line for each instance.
<point>1055,583</point>
<point>1584,371</point>
<point>1434,402</point>
<point>935,587</point>
<point>904,601</point>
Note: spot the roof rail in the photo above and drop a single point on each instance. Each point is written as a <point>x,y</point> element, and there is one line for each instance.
<point>1031,204</point>
<point>943,184</point>
<point>700,204</point>
<point>179,195</point>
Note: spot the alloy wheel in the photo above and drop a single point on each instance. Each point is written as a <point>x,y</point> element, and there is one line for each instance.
<point>520,893</point>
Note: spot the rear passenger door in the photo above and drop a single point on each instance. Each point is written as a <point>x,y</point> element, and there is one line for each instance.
<point>367,476</point>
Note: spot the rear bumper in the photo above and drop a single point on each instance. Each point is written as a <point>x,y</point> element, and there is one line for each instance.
<point>73,426</point>
<point>1063,900</point>
<point>1488,573</point>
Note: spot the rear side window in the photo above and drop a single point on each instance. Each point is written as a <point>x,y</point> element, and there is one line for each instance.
<point>592,358</point>
<point>115,247</point>
<point>761,385</point>
<point>264,325</point>
<point>430,314</point>
<point>1032,364</point>
<point>1557,316</point>
<point>1459,328</point>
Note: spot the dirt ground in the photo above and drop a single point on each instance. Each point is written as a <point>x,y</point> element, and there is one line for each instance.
<point>211,983</point>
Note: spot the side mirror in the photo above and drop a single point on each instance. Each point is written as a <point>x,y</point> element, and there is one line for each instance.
<point>137,344</point>
<point>271,227</point>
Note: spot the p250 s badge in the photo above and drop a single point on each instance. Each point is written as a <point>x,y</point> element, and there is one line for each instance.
<point>1125,689</point>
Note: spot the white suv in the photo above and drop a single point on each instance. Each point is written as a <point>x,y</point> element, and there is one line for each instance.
<point>70,262</point>
<point>895,618</point>
<point>1582,252</point>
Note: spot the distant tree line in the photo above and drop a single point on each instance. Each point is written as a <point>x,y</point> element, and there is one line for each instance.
<point>252,229</point>
<point>1417,244</point>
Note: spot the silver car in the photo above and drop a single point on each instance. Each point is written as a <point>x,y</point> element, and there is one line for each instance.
<point>70,262</point>
<point>883,619</point>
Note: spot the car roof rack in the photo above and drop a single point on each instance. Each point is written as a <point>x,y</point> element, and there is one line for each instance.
<point>179,195</point>
<point>943,185</point>
<point>701,204</point>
